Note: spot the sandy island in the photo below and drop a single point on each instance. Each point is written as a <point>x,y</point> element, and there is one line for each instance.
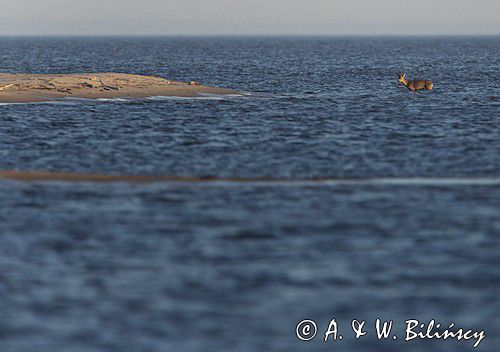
<point>26,88</point>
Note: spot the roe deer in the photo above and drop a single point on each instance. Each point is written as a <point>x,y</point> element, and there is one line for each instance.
<point>418,84</point>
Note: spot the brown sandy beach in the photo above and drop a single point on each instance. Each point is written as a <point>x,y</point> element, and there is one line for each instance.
<point>34,176</point>
<point>25,88</point>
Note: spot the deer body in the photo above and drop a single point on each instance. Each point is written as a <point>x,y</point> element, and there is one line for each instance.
<point>418,84</point>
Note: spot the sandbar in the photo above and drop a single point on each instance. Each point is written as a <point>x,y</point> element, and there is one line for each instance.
<point>68,177</point>
<point>28,88</point>
<point>34,176</point>
<point>51,176</point>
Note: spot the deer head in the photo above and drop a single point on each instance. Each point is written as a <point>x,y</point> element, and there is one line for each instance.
<point>402,77</point>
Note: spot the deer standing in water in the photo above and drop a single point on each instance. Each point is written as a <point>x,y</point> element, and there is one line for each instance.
<point>418,84</point>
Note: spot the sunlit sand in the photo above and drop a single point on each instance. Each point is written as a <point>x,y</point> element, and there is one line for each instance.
<point>25,88</point>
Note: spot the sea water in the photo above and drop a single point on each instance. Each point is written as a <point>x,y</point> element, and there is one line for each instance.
<point>405,224</point>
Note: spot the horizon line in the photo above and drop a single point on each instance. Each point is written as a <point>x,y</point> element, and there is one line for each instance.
<point>31,35</point>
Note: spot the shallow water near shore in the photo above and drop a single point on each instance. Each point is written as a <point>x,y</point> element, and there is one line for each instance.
<point>407,225</point>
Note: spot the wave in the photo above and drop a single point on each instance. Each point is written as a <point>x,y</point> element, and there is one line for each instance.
<point>26,103</point>
<point>204,96</point>
<point>73,100</point>
<point>118,100</point>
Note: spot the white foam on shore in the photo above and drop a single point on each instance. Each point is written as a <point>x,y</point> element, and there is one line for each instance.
<point>70,100</point>
<point>417,181</point>
<point>386,182</point>
<point>33,103</point>
<point>166,98</point>
<point>90,100</point>
<point>113,99</point>
<point>201,96</point>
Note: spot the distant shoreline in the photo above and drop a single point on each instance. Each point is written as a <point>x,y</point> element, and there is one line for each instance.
<point>69,177</point>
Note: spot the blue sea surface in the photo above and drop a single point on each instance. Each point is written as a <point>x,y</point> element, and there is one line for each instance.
<point>235,266</point>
